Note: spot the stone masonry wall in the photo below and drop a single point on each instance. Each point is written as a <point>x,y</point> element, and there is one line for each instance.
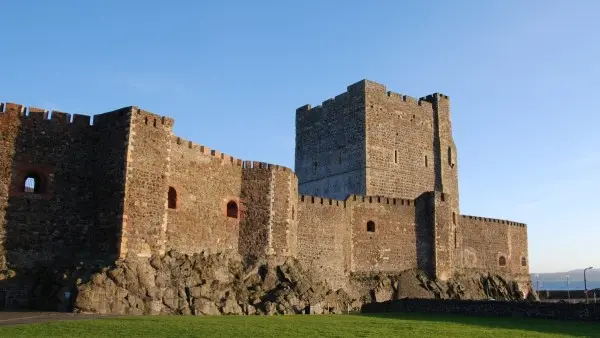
<point>62,218</point>
<point>10,123</point>
<point>446,160</point>
<point>399,143</point>
<point>53,221</point>
<point>323,244</point>
<point>484,308</point>
<point>485,240</point>
<point>446,241</point>
<point>330,146</point>
<point>446,173</point>
<point>392,244</point>
<point>148,158</point>
<point>204,182</point>
<point>111,135</point>
<point>519,253</point>
<point>284,227</point>
<point>255,240</point>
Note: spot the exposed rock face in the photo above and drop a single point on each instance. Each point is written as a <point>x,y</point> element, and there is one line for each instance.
<point>221,284</point>
<point>415,284</point>
<point>204,284</point>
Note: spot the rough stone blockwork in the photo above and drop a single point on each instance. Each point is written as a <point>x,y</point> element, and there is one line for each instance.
<point>375,191</point>
<point>561,311</point>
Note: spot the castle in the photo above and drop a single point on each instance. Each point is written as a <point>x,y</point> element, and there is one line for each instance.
<point>375,190</point>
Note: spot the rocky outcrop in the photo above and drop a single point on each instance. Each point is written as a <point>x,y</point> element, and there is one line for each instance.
<point>222,284</point>
<point>471,285</point>
<point>203,284</point>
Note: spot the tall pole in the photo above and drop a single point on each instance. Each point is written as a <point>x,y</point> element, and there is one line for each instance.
<point>568,289</point>
<point>585,283</point>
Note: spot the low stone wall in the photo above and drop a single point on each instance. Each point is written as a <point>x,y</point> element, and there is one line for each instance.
<point>562,311</point>
<point>572,294</point>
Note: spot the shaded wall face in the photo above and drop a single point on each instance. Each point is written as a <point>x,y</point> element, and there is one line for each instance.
<point>255,226</point>
<point>383,234</point>
<point>446,239</point>
<point>399,144</point>
<point>54,220</point>
<point>111,136</point>
<point>330,146</point>
<point>425,232</point>
<point>323,243</point>
<point>448,157</point>
<point>486,240</point>
<point>204,185</point>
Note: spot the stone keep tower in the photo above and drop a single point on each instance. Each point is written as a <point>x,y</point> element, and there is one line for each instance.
<point>370,141</point>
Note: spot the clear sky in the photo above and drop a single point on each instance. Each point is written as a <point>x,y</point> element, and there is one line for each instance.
<point>522,77</point>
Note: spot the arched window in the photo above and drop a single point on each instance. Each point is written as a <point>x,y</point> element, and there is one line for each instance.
<point>232,209</point>
<point>172,198</point>
<point>32,184</point>
<point>523,261</point>
<point>370,226</point>
<point>502,261</point>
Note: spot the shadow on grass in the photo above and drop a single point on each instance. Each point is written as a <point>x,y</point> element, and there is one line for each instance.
<point>552,326</point>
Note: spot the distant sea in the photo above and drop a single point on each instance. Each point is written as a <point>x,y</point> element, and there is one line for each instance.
<point>562,285</point>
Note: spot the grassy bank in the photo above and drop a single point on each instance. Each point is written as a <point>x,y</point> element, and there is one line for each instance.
<point>388,325</point>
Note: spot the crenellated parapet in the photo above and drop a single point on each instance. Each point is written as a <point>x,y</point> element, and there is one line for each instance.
<point>425,103</point>
<point>264,165</point>
<point>435,97</point>
<point>307,199</point>
<point>399,202</point>
<point>203,150</point>
<point>383,200</point>
<point>225,159</point>
<point>151,119</point>
<point>40,114</point>
<point>494,220</point>
<point>381,91</point>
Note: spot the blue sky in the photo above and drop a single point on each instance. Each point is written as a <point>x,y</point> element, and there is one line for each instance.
<point>522,77</point>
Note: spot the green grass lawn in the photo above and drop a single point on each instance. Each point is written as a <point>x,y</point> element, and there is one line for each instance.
<point>387,325</point>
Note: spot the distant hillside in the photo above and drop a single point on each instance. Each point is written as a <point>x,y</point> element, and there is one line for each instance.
<point>574,275</point>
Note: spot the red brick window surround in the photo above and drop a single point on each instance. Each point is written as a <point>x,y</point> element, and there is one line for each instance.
<point>370,226</point>
<point>232,209</point>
